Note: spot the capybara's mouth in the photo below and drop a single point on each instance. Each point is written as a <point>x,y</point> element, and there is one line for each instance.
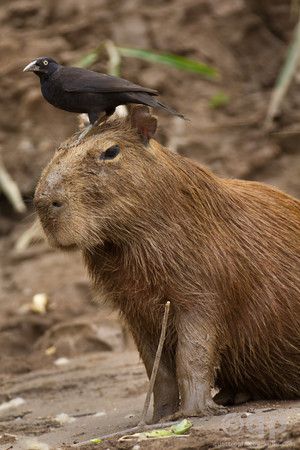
<point>67,248</point>
<point>62,245</point>
<point>58,238</point>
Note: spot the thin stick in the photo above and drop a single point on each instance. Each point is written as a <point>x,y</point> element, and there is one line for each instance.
<point>156,364</point>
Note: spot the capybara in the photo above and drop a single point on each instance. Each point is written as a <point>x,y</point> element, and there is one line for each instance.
<point>155,226</point>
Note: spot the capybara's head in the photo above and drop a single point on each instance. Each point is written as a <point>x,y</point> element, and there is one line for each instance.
<point>92,191</point>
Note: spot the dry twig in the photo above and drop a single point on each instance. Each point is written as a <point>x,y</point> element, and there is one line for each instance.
<point>11,190</point>
<point>33,234</point>
<point>156,364</point>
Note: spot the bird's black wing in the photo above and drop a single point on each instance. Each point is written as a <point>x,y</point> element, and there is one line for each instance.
<point>75,79</point>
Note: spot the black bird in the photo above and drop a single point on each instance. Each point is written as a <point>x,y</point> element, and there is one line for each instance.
<point>83,91</point>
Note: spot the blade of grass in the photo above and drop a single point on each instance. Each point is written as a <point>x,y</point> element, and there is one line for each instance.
<point>114,68</point>
<point>219,100</point>
<point>88,60</point>
<point>92,57</point>
<point>179,62</point>
<point>114,63</point>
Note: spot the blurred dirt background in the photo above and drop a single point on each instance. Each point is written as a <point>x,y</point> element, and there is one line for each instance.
<point>247,41</point>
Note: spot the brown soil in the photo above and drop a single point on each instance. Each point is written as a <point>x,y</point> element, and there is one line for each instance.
<point>247,41</point>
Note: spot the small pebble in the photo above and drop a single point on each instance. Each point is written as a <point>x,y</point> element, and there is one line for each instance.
<point>100,414</point>
<point>61,361</point>
<point>39,303</point>
<point>33,444</point>
<point>64,418</point>
<point>50,350</point>
<point>14,403</point>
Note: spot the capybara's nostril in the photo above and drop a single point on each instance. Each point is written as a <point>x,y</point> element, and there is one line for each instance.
<point>40,201</point>
<point>57,204</point>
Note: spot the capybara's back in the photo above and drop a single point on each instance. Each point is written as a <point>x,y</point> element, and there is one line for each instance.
<point>154,226</point>
<point>261,283</point>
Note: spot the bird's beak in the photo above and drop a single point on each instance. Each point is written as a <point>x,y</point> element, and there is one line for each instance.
<point>32,67</point>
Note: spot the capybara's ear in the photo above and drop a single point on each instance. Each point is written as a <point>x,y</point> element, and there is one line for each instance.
<point>142,120</point>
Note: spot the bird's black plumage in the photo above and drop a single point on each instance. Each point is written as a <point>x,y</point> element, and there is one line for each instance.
<point>84,91</point>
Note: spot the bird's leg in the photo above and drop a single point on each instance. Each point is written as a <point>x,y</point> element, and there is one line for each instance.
<point>95,120</point>
<point>101,119</point>
<point>110,112</point>
<point>93,117</point>
<point>84,133</point>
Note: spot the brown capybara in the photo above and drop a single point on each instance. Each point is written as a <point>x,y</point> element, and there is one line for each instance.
<point>154,226</point>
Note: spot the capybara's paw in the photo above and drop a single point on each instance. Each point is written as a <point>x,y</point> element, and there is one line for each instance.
<point>164,410</point>
<point>224,397</point>
<point>172,417</point>
<point>210,409</point>
<point>227,397</point>
<point>242,397</point>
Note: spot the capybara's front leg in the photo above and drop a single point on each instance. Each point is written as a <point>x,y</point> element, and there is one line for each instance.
<point>165,392</point>
<point>166,395</point>
<point>196,361</point>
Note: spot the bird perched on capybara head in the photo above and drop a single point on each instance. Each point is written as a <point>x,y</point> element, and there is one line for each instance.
<point>154,226</point>
<point>80,90</point>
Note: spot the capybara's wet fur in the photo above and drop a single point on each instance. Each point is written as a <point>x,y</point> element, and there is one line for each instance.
<point>154,226</point>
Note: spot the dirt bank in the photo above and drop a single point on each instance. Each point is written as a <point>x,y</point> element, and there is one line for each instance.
<point>102,384</point>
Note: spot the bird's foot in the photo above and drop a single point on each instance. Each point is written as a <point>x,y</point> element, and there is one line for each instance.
<point>100,120</point>
<point>83,134</point>
<point>90,128</point>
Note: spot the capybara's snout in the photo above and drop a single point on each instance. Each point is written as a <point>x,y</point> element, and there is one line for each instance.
<point>50,197</point>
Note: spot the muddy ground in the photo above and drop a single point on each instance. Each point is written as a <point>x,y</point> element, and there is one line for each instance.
<point>77,358</point>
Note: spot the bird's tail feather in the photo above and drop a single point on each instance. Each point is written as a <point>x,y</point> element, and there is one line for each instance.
<point>146,99</point>
<point>169,109</point>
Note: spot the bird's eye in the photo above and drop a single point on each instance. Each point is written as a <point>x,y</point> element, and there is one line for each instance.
<point>45,62</point>
<point>111,152</point>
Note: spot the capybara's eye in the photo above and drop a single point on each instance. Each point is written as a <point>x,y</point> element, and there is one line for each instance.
<point>111,152</point>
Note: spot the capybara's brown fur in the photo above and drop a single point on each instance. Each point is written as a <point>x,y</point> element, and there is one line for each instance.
<point>154,226</point>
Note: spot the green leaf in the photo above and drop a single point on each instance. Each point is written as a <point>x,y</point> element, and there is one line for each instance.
<point>156,434</point>
<point>179,62</point>
<point>182,427</point>
<point>176,61</point>
<point>88,60</point>
<point>219,100</point>
<point>175,430</point>
<point>95,441</point>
